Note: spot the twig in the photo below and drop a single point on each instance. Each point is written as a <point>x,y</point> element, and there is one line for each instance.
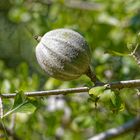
<point>113,85</point>
<point>124,84</point>
<point>114,132</point>
<point>92,76</point>
<point>49,92</point>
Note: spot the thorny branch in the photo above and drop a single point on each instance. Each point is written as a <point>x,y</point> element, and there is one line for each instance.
<point>113,85</point>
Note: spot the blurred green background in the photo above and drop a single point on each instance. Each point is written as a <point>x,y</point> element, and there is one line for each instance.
<point>108,26</point>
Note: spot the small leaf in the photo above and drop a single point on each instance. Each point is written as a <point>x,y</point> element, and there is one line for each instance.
<point>19,98</point>
<point>22,104</point>
<point>118,100</point>
<point>97,90</point>
<point>95,94</point>
<point>106,96</point>
<point>116,103</point>
<point>27,107</point>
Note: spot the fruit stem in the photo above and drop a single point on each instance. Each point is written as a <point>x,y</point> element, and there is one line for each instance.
<point>93,77</point>
<point>38,38</point>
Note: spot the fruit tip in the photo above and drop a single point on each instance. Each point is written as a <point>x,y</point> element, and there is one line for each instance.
<point>38,38</point>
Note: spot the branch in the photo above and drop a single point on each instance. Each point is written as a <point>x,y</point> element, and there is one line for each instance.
<point>113,85</point>
<point>114,132</point>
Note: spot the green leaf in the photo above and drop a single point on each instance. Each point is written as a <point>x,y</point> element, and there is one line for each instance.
<point>106,96</point>
<point>26,107</point>
<point>95,93</point>
<point>97,90</point>
<point>116,103</point>
<point>19,98</point>
<point>22,104</point>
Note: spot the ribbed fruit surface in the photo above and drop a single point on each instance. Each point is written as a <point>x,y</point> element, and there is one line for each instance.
<point>63,54</point>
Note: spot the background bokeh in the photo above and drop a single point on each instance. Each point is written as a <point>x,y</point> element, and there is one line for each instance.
<point>108,26</point>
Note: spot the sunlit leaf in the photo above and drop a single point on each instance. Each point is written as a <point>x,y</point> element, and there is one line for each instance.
<point>97,90</point>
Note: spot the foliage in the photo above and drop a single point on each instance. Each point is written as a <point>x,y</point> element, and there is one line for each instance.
<point>108,29</point>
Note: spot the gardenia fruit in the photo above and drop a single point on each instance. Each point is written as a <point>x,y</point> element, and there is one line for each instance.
<point>63,54</point>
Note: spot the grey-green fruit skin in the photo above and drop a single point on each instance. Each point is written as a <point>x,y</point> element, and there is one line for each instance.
<point>63,54</point>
